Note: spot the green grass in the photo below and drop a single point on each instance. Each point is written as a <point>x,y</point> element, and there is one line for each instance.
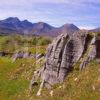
<point>18,42</point>
<point>37,49</point>
<point>14,77</point>
<point>78,85</point>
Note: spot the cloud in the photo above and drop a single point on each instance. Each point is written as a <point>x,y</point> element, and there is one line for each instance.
<point>56,12</point>
<point>29,2</point>
<point>87,27</point>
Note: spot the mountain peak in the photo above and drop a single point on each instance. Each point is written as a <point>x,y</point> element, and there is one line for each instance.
<point>71,26</point>
<point>25,21</point>
<point>42,25</point>
<point>40,28</point>
<point>11,19</point>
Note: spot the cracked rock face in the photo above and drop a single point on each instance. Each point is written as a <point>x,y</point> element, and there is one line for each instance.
<point>62,54</point>
<point>91,53</point>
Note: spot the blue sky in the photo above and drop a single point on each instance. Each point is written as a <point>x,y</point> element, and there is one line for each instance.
<point>83,13</point>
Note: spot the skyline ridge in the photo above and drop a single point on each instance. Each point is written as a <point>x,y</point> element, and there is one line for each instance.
<point>83,13</point>
<point>87,27</point>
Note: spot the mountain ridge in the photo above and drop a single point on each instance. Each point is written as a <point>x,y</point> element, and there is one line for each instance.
<point>13,25</point>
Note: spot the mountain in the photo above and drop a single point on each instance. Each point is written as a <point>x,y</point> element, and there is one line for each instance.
<point>95,30</point>
<point>13,25</point>
<point>70,28</point>
<point>42,28</point>
<point>46,29</point>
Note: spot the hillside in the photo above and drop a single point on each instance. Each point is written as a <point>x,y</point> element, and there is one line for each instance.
<point>95,30</point>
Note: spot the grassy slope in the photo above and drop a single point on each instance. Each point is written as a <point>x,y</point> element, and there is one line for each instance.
<point>79,85</point>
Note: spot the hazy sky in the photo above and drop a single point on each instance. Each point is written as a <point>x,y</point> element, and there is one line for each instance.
<point>83,13</point>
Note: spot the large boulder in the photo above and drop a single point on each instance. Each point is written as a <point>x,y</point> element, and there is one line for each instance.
<point>62,54</point>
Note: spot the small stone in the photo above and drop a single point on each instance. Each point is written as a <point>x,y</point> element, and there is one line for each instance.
<point>75,79</point>
<point>51,93</point>
<point>93,87</point>
<point>60,87</point>
<point>38,94</point>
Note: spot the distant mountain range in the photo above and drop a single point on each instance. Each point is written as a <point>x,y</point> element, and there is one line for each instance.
<point>95,30</point>
<point>13,25</point>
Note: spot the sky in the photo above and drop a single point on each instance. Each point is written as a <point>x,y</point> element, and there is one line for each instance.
<point>83,13</point>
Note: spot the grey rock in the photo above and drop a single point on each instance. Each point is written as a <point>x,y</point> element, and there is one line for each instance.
<point>26,55</point>
<point>62,53</point>
<point>21,54</point>
<point>38,56</point>
<point>17,55</point>
<point>91,53</point>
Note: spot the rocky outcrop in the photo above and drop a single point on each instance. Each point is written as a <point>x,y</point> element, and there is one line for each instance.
<point>21,54</point>
<point>64,51</point>
<point>62,54</point>
<point>91,53</point>
<point>17,55</point>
